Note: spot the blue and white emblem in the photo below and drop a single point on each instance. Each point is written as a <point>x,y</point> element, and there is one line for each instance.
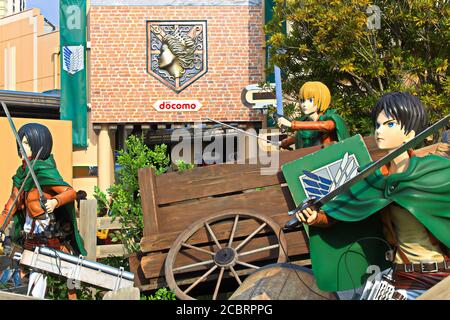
<point>73,58</point>
<point>320,182</point>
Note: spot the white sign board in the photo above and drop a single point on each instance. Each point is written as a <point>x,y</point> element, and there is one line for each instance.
<point>177,105</point>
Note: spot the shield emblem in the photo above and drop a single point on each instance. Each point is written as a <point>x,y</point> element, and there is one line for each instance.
<point>317,174</point>
<point>73,58</point>
<point>177,52</point>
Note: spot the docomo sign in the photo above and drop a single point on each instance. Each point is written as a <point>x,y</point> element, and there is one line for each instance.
<point>177,105</point>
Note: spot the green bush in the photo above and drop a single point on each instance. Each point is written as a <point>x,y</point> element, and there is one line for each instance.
<point>125,197</point>
<point>183,166</point>
<point>160,294</point>
<point>57,290</point>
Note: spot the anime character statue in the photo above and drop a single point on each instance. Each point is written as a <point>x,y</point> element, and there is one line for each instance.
<point>318,124</point>
<point>408,199</point>
<point>32,223</point>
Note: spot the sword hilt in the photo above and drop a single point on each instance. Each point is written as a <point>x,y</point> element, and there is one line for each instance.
<point>275,117</point>
<point>307,203</point>
<point>51,216</point>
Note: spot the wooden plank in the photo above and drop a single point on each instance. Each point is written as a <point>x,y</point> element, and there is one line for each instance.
<point>265,202</point>
<point>107,223</point>
<point>226,178</point>
<point>123,294</point>
<point>104,251</point>
<point>88,227</point>
<point>153,264</point>
<point>14,296</point>
<point>212,180</point>
<point>441,291</point>
<point>148,191</point>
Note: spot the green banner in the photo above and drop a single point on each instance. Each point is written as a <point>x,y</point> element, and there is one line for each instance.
<point>72,20</point>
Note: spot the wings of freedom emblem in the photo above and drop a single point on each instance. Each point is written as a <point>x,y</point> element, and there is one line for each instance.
<point>177,52</point>
<point>73,58</point>
<point>320,182</point>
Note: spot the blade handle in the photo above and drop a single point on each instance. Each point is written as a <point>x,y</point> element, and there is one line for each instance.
<point>307,203</point>
<point>275,117</point>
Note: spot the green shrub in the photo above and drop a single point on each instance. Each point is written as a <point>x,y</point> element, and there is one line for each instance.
<point>125,197</point>
<point>161,294</point>
<point>183,166</point>
<point>57,289</point>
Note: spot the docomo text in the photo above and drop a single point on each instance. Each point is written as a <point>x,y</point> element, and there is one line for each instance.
<point>177,105</point>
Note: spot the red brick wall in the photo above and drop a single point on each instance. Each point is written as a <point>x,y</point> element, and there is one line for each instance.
<point>123,91</point>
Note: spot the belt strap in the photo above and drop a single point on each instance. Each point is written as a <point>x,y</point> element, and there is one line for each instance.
<point>424,267</point>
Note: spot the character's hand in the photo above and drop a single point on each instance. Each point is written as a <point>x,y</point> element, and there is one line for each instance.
<point>284,122</point>
<point>50,205</point>
<point>308,216</point>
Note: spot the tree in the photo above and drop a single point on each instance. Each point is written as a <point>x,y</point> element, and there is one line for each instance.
<point>331,41</point>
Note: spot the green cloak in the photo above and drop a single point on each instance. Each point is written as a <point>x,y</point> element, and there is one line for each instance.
<point>48,175</point>
<point>309,138</point>
<point>341,254</point>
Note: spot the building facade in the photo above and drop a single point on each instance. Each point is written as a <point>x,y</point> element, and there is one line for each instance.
<point>146,53</point>
<point>142,55</point>
<point>29,52</point>
<point>8,7</point>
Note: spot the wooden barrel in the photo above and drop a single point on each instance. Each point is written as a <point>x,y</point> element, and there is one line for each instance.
<point>281,281</point>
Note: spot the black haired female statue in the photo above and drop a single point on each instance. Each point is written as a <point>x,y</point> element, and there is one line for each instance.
<point>32,224</point>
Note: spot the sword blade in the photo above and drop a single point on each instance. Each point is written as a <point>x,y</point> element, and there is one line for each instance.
<point>278,90</point>
<point>22,150</point>
<point>383,161</point>
<point>244,132</point>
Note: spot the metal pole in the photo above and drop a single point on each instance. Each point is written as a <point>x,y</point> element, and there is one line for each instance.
<point>244,132</point>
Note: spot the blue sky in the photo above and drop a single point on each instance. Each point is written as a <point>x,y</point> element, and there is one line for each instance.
<point>49,9</point>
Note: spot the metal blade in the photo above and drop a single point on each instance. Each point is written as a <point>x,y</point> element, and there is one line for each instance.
<point>244,132</point>
<point>383,161</point>
<point>24,155</point>
<point>278,90</point>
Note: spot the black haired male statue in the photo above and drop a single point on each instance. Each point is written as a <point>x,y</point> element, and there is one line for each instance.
<point>408,199</point>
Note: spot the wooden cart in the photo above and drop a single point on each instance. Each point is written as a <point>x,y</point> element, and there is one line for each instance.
<point>197,212</point>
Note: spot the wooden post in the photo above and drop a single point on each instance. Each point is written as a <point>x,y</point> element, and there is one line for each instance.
<point>88,227</point>
<point>147,186</point>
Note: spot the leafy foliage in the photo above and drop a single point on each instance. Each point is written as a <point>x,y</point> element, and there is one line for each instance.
<point>125,197</point>
<point>161,294</point>
<point>183,166</point>
<point>329,41</point>
<point>102,201</point>
<point>57,289</point>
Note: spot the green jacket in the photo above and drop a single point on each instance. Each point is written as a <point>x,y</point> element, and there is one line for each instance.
<point>309,138</point>
<point>48,175</point>
<point>341,253</point>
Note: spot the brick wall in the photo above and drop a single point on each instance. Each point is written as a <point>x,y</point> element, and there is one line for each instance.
<point>123,91</point>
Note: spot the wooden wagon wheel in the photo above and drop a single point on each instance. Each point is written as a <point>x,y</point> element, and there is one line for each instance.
<point>228,244</point>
